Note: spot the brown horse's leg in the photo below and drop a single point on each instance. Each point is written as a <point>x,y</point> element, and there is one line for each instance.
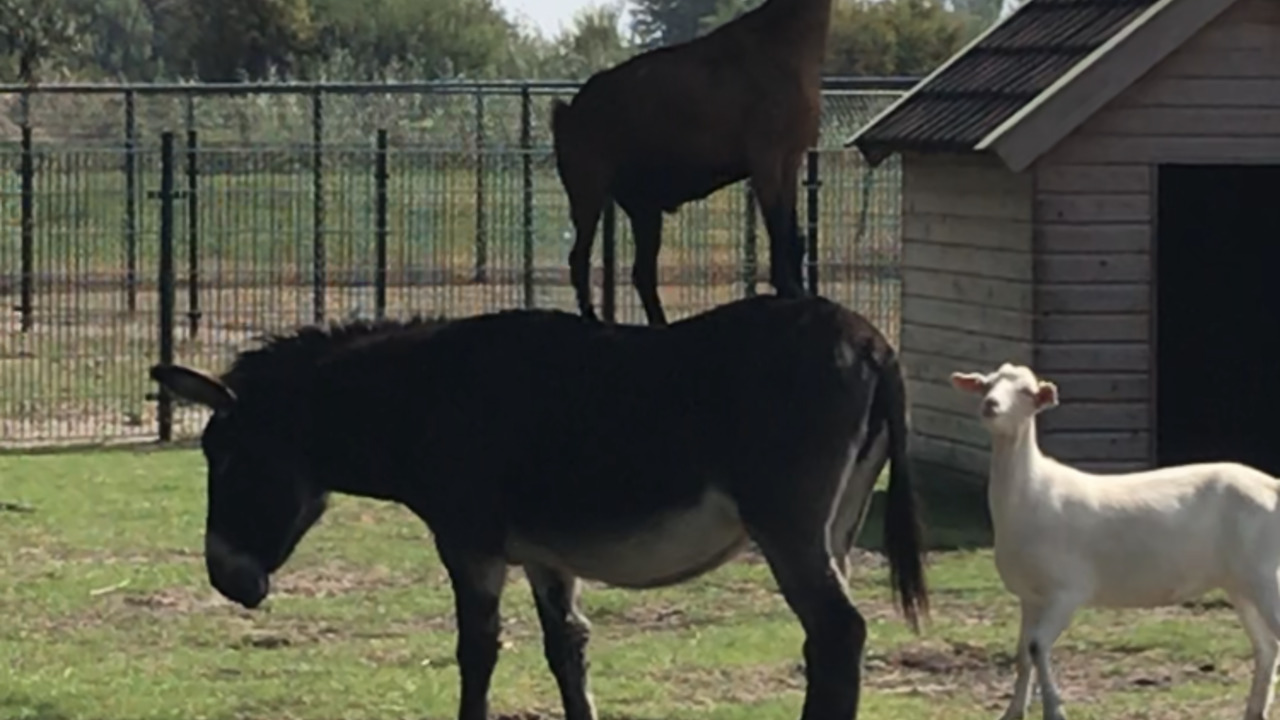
<point>586,203</point>
<point>646,227</point>
<point>774,183</point>
<point>477,591</point>
<point>565,631</point>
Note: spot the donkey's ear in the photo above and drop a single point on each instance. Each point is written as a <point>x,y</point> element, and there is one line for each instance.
<point>194,386</point>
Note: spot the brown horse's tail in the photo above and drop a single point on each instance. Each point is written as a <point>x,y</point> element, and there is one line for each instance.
<point>559,120</point>
<point>903,533</point>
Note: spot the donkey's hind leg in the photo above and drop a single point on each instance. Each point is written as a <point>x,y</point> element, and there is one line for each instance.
<point>813,585</point>
<point>477,591</point>
<point>565,631</point>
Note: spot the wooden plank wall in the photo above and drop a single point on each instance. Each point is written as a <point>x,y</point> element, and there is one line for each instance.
<point>1215,100</point>
<point>966,295</point>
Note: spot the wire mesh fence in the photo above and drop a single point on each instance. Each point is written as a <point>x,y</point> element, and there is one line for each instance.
<point>279,205</point>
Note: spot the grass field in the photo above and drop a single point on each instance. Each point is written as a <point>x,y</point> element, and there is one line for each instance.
<point>105,614</point>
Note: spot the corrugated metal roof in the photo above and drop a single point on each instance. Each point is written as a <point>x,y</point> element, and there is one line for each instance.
<point>1031,49</point>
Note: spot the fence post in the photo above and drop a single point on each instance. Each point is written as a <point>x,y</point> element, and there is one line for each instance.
<point>812,183</point>
<point>750,256</point>
<point>482,241</point>
<point>28,171</point>
<point>130,201</point>
<point>193,236</point>
<point>164,415</point>
<point>608,252</point>
<point>380,225</point>
<point>317,209</point>
<point>526,167</point>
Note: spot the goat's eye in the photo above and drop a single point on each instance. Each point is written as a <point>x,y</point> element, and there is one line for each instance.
<point>1027,392</point>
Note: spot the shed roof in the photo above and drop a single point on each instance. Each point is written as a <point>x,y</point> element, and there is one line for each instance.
<point>976,99</point>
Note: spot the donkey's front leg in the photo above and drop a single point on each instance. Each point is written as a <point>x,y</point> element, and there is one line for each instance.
<point>477,591</point>
<point>565,631</point>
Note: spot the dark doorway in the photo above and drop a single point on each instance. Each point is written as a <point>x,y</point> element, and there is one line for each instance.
<point>1218,314</point>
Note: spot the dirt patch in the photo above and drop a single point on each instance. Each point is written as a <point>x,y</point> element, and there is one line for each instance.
<point>987,675</point>
<point>333,579</point>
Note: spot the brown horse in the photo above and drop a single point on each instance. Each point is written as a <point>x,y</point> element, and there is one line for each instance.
<point>675,124</point>
<point>632,455</point>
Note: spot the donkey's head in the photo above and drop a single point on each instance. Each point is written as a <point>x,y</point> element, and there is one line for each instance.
<point>261,498</point>
<point>1011,395</point>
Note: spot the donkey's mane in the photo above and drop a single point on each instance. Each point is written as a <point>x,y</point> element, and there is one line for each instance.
<point>290,355</point>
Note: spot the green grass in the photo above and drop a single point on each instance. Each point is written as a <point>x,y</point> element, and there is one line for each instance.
<point>105,614</point>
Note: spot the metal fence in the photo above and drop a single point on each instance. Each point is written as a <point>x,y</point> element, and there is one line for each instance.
<point>146,223</point>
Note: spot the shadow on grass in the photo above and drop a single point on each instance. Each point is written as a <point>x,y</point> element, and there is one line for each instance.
<point>22,707</point>
<point>19,707</point>
<point>955,517</point>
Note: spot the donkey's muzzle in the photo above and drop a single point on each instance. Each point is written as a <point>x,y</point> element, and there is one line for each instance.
<point>238,577</point>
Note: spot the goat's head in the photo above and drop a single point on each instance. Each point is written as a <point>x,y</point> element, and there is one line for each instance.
<point>1010,396</point>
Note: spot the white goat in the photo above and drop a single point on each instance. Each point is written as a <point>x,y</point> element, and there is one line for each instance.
<point>1065,538</point>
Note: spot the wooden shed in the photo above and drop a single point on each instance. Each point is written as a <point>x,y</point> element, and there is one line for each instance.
<point>1092,188</point>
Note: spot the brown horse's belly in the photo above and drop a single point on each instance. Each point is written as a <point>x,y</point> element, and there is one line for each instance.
<point>669,549</point>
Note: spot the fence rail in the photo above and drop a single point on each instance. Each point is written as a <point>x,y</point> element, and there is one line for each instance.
<point>200,220</point>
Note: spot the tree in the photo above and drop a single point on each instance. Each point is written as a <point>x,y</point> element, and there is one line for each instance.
<point>664,22</point>
<point>593,42</point>
<point>117,39</point>
<point>892,37</point>
<point>248,37</point>
<point>34,32</point>
<point>726,10</point>
<point>441,38</point>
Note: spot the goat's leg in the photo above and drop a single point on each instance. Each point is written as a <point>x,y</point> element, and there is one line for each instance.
<point>565,631</point>
<point>1265,651</point>
<point>775,186</point>
<point>477,591</point>
<point>1022,664</point>
<point>646,228</point>
<point>1050,623</point>
<point>585,207</point>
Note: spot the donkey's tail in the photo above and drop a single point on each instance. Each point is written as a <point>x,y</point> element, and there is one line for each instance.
<point>903,533</point>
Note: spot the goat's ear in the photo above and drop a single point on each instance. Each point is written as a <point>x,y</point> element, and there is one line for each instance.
<point>1046,395</point>
<point>969,382</point>
<point>194,386</point>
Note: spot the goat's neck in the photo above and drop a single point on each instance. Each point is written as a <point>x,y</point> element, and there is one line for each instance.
<point>1017,470</point>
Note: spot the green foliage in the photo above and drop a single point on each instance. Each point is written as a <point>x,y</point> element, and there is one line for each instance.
<point>726,10</point>
<point>233,40</point>
<point>31,33</point>
<point>593,41</point>
<point>892,37</point>
<point>441,38</point>
<point>666,22</point>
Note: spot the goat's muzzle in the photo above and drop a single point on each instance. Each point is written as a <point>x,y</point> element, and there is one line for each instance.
<point>989,407</point>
